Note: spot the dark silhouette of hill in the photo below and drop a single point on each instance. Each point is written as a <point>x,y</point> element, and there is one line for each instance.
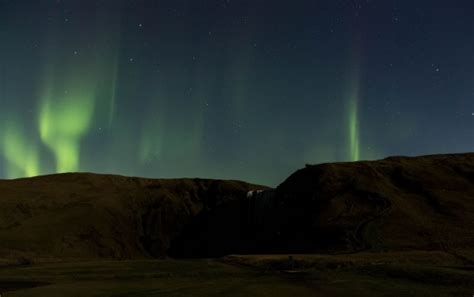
<point>399,203</point>
<point>82,215</point>
<point>395,204</point>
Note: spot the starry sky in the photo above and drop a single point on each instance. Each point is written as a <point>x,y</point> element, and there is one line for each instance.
<point>231,89</point>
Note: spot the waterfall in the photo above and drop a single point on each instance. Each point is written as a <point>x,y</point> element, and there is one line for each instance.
<point>260,208</point>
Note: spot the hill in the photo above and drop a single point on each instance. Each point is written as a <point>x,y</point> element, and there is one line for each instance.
<point>82,215</point>
<point>396,204</point>
<point>399,203</point>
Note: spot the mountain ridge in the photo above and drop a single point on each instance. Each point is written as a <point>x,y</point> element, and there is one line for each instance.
<point>398,203</point>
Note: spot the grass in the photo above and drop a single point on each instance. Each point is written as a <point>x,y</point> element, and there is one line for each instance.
<point>402,274</point>
<point>146,278</point>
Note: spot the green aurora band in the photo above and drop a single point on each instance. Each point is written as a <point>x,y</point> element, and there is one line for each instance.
<point>356,66</point>
<point>78,85</point>
<point>21,154</point>
<point>354,147</point>
<point>63,119</point>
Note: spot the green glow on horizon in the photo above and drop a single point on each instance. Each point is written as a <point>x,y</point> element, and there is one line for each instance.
<point>63,120</point>
<point>21,154</point>
<point>354,146</point>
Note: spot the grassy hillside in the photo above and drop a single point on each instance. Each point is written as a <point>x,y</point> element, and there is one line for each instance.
<point>395,227</point>
<point>80,215</point>
<point>399,203</point>
<point>395,204</point>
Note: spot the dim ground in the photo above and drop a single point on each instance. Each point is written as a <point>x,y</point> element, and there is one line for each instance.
<point>382,274</point>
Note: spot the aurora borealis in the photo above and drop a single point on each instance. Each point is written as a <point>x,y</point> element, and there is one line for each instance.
<point>230,89</point>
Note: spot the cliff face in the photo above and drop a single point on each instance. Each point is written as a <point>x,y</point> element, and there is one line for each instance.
<point>88,216</point>
<point>247,225</point>
<point>398,203</point>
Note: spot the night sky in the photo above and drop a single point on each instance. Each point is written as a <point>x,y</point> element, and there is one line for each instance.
<point>230,89</point>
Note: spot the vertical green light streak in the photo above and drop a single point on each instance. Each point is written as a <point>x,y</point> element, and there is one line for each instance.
<point>63,120</point>
<point>21,154</point>
<point>353,130</point>
<point>354,98</point>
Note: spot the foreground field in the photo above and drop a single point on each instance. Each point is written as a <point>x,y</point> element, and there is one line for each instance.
<point>402,274</point>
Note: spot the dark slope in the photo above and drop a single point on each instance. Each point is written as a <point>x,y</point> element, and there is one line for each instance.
<point>84,215</point>
<point>399,203</point>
